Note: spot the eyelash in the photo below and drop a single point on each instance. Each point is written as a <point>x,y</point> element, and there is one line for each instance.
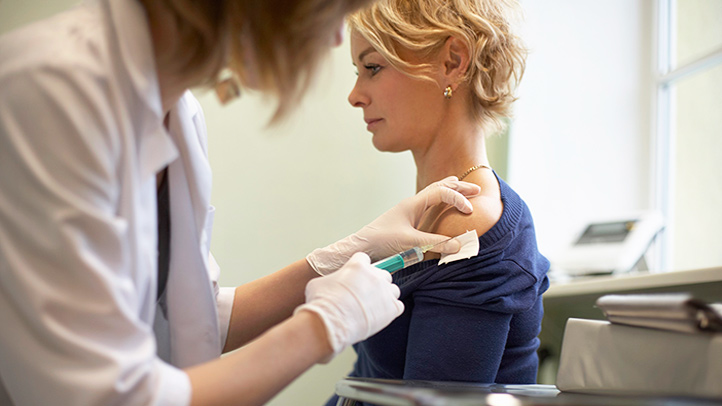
<point>372,68</point>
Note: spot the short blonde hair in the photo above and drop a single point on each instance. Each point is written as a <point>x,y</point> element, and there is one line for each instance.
<point>286,39</point>
<point>486,27</point>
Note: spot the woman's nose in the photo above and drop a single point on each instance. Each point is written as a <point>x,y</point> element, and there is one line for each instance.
<point>356,98</point>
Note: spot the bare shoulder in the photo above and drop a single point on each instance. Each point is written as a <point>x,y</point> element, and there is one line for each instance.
<point>487,211</point>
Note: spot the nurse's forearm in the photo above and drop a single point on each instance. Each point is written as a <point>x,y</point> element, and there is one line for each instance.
<point>263,303</point>
<point>258,371</point>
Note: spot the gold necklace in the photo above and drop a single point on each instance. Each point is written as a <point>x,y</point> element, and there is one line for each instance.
<point>472,169</point>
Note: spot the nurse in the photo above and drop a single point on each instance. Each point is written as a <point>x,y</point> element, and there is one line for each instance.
<point>108,293</point>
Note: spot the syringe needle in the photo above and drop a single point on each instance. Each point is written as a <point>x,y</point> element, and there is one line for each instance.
<point>426,248</point>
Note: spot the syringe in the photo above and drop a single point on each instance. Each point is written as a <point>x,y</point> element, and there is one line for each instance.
<point>402,259</point>
<point>406,258</point>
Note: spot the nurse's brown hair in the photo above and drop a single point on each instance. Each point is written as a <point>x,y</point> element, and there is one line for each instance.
<point>285,39</point>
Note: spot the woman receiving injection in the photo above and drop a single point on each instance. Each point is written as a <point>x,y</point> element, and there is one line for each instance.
<point>436,77</point>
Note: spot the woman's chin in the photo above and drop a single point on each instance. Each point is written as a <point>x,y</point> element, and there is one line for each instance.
<point>381,145</point>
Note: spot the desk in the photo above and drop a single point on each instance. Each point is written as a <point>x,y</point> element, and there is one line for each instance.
<point>577,298</point>
<point>384,392</point>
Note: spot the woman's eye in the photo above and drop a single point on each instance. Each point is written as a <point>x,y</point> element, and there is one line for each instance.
<point>372,68</point>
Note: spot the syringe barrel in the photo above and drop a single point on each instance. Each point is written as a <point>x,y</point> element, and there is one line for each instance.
<point>401,260</point>
<point>412,256</point>
<point>390,264</point>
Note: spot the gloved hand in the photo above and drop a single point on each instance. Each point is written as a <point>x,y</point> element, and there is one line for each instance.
<point>354,303</point>
<point>395,230</point>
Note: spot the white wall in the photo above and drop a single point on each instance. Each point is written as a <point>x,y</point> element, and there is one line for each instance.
<point>16,13</point>
<point>579,144</point>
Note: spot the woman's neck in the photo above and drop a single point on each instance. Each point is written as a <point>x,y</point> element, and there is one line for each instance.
<point>452,153</point>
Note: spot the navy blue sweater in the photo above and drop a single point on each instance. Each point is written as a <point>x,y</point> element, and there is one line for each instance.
<point>474,320</point>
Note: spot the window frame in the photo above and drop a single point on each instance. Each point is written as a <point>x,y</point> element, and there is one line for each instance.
<point>667,74</point>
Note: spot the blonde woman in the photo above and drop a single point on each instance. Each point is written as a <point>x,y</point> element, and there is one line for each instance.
<point>108,294</point>
<point>436,77</point>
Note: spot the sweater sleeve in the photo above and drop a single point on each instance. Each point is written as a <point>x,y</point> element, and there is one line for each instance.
<point>452,343</point>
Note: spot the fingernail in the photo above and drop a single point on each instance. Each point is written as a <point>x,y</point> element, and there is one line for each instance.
<point>469,207</point>
<point>452,247</point>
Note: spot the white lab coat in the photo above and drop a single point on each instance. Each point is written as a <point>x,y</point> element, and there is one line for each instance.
<point>81,139</point>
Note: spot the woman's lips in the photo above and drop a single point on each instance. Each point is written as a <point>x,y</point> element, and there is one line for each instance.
<point>372,123</point>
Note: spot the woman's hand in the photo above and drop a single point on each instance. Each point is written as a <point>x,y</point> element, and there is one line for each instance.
<point>395,230</point>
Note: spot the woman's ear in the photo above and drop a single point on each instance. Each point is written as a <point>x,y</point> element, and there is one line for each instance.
<point>455,60</point>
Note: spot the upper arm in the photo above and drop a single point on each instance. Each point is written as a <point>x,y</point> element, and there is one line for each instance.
<point>453,343</point>
<point>59,182</point>
<point>451,222</point>
<point>487,211</point>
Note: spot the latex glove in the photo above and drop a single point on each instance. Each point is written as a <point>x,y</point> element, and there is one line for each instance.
<point>354,303</point>
<point>395,230</point>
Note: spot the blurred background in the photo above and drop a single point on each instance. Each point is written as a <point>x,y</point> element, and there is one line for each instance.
<point>618,112</point>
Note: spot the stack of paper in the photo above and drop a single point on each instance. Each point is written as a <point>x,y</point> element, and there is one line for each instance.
<point>675,312</point>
